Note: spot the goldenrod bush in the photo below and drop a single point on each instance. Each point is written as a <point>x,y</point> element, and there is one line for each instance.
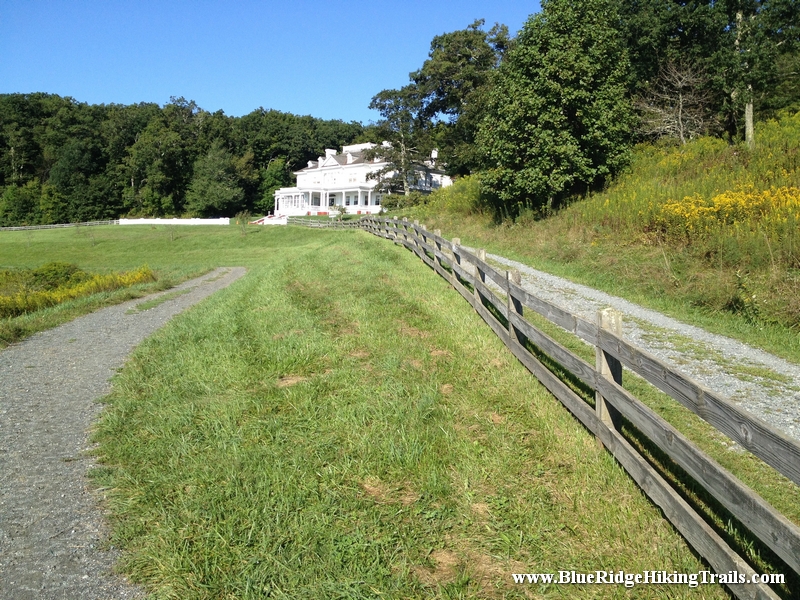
<point>773,213</point>
<point>75,284</point>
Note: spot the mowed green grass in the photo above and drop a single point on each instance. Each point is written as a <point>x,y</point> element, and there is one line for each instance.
<point>340,424</point>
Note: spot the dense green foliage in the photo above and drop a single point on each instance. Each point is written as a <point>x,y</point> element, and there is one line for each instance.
<point>65,161</point>
<point>735,50</point>
<point>550,114</point>
<point>558,120</point>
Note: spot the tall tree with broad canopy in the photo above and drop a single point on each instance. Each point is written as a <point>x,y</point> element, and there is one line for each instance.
<point>214,189</point>
<point>558,120</point>
<point>451,84</point>
<point>403,127</point>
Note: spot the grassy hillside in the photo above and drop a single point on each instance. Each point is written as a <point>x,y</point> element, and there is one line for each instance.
<point>707,232</point>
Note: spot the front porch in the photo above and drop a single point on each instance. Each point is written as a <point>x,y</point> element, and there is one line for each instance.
<point>356,201</point>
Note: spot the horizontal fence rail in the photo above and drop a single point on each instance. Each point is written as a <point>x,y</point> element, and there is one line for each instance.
<point>330,223</point>
<point>61,225</point>
<point>464,270</point>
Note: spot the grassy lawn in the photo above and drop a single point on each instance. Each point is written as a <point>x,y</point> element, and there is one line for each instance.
<point>174,253</point>
<point>340,424</point>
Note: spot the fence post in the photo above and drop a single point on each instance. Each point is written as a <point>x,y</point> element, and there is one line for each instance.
<point>456,254</point>
<point>479,274</point>
<point>513,304</point>
<point>609,367</point>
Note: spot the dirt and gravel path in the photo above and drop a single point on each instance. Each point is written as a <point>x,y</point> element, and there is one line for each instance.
<point>52,536</point>
<point>763,384</point>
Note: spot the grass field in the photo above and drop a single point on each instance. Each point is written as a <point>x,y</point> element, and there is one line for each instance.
<point>340,424</point>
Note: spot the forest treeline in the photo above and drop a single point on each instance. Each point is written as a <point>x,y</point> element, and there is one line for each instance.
<point>542,117</point>
<point>66,161</point>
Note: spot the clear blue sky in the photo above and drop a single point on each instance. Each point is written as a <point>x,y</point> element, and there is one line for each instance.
<point>323,58</point>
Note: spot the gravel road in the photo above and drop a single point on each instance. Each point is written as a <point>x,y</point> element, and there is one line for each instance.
<point>763,384</point>
<point>52,531</point>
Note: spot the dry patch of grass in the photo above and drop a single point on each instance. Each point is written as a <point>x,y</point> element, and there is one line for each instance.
<point>289,380</point>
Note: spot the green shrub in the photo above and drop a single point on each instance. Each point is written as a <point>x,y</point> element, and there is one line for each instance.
<point>461,198</point>
<point>55,274</point>
<point>401,201</point>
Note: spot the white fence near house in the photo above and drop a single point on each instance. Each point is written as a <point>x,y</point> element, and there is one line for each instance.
<point>221,221</point>
<point>271,220</point>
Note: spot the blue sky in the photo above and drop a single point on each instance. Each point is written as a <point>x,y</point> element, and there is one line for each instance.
<point>323,58</point>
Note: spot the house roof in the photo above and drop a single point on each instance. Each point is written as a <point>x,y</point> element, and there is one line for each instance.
<point>340,159</point>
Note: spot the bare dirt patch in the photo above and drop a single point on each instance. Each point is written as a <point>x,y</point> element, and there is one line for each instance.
<point>288,380</point>
<point>446,564</point>
<point>480,509</point>
<point>497,419</point>
<point>383,493</point>
<point>376,489</point>
<point>409,331</point>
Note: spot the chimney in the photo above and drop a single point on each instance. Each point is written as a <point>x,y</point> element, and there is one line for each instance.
<point>329,152</point>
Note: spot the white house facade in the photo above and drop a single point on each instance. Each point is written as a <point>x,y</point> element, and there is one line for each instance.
<point>340,179</point>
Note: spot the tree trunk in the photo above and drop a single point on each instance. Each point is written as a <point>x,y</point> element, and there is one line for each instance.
<point>749,133</point>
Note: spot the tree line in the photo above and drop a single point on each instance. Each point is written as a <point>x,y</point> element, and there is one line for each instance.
<point>542,117</point>
<point>553,112</point>
<point>65,161</point>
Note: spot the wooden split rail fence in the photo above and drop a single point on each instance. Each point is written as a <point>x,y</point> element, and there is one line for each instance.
<point>469,274</point>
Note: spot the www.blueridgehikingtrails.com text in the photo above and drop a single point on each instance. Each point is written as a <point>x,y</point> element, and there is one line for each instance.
<point>630,580</point>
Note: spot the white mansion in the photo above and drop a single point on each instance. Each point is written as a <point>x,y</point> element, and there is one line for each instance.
<point>341,180</point>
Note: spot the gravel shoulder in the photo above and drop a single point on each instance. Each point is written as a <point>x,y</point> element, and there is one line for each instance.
<point>53,541</point>
<point>761,383</point>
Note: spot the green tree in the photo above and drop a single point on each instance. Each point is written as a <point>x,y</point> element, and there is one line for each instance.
<point>19,205</point>
<point>452,83</point>
<point>214,189</point>
<point>403,127</point>
<point>274,176</point>
<point>558,120</point>
<point>741,47</point>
